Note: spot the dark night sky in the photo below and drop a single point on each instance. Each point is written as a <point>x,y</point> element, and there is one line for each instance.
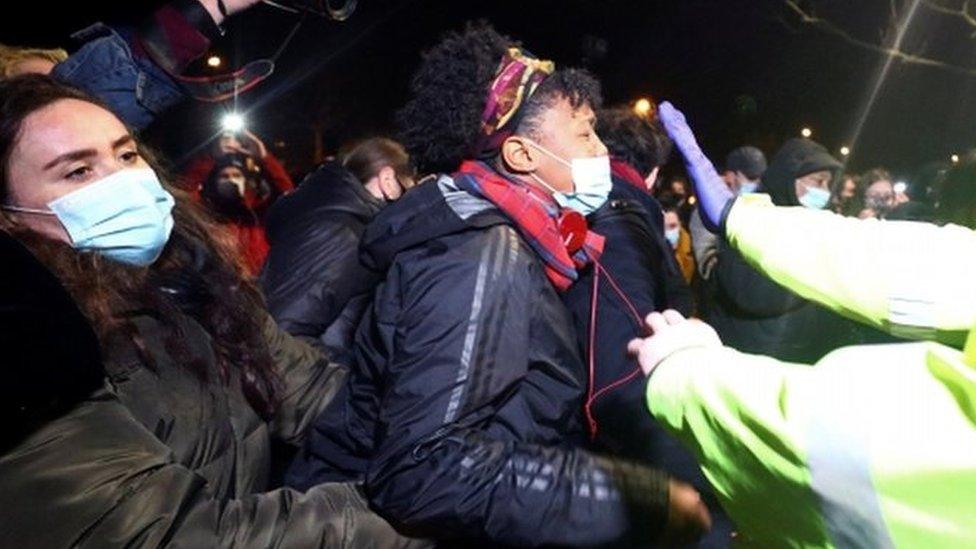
<point>714,59</point>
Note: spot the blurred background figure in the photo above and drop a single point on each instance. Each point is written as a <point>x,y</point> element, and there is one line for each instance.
<point>751,312</point>
<point>314,282</point>
<point>917,202</point>
<point>242,180</point>
<point>879,194</point>
<point>682,191</point>
<point>744,168</point>
<point>957,196</point>
<point>845,198</point>
<point>677,236</point>
<point>15,60</point>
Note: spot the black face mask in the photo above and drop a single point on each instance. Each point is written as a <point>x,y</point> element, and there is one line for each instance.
<point>881,205</point>
<point>227,191</point>
<point>224,199</point>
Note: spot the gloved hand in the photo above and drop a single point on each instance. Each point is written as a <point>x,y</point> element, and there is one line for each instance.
<point>714,196</point>
<point>670,332</point>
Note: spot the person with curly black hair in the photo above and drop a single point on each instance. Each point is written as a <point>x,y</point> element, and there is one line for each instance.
<point>463,413</point>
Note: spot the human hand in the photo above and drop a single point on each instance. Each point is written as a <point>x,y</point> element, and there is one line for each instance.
<point>231,6</point>
<point>670,332</point>
<point>688,517</point>
<point>253,145</point>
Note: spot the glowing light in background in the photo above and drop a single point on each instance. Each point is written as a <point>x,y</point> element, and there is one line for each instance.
<point>233,122</point>
<point>643,107</point>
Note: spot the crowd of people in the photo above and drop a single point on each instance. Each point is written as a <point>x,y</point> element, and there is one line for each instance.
<point>501,326</point>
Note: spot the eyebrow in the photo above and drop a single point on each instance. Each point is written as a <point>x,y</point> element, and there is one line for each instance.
<point>86,153</point>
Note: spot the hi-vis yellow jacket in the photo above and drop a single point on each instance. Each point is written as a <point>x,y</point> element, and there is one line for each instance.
<point>874,446</point>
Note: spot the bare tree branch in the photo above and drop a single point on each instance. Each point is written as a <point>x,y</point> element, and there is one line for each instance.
<point>906,57</point>
<point>962,13</point>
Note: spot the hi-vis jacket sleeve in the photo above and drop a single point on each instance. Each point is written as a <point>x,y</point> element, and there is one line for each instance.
<point>911,279</point>
<point>733,411</point>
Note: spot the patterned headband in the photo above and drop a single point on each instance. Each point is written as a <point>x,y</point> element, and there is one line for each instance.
<point>518,77</point>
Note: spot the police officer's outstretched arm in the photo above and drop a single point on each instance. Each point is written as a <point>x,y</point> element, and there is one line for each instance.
<point>911,279</point>
<point>732,410</point>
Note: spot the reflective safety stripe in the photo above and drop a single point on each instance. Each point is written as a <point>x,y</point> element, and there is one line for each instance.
<point>840,473</point>
<point>464,205</point>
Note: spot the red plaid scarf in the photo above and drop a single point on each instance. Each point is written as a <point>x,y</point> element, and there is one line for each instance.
<point>536,216</point>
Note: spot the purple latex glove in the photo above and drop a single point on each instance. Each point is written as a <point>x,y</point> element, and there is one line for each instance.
<point>714,196</point>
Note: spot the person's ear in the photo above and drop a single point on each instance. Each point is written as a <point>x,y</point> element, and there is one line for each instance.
<point>389,185</point>
<point>651,178</point>
<point>519,156</point>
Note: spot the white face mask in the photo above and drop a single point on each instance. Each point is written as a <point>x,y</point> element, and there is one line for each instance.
<point>591,182</point>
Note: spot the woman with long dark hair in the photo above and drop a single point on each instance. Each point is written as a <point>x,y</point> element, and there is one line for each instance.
<point>175,448</point>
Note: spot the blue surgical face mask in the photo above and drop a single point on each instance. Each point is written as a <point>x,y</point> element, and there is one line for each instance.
<point>748,188</point>
<point>591,181</point>
<point>126,216</point>
<point>815,198</point>
<point>672,236</point>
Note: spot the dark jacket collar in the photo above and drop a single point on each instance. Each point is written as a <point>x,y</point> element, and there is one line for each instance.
<point>329,189</point>
<point>435,208</point>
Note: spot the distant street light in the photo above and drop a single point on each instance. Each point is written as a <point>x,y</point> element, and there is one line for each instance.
<point>954,158</point>
<point>643,107</point>
<point>845,151</point>
<point>806,132</point>
<point>214,61</point>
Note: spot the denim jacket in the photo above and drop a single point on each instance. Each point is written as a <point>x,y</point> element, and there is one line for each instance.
<point>134,87</point>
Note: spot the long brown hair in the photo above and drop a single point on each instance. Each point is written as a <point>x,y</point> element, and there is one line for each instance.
<point>199,261</point>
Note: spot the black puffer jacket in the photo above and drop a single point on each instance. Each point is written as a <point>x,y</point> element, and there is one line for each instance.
<point>315,285</point>
<point>639,262</point>
<point>633,264</point>
<point>756,315</point>
<point>464,411</point>
<point>154,456</point>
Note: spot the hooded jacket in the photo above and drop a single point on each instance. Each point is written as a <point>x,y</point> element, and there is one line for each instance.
<point>752,313</point>
<point>796,158</point>
<point>463,413</point>
<point>316,286</point>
